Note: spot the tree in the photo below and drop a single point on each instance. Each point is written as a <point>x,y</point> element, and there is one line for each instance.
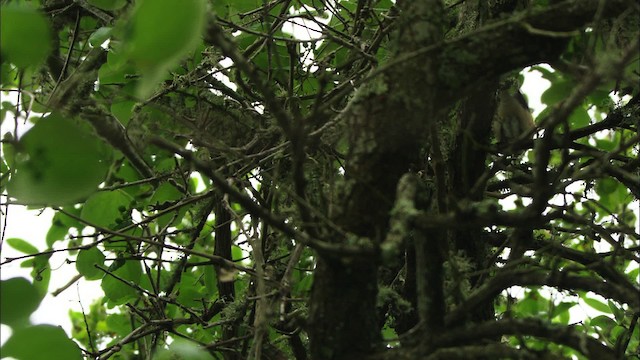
<point>244,191</point>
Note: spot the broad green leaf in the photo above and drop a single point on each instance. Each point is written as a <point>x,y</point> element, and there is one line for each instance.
<point>122,111</point>
<point>606,144</point>
<point>105,208</point>
<point>384,4</point>
<point>210,280</point>
<point>557,92</point>
<point>60,163</point>
<point>19,298</point>
<point>100,36</point>
<point>532,305</point>
<point>236,252</point>
<point>190,292</point>
<point>182,349</point>
<point>116,70</point>
<point>86,261</point>
<point>635,338</point>
<point>61,223</point>
<point>25,35</point>
<point>389,333</point>
<point>304,285</point>
<point>116,264</point>
<point>612,193</point>
<point>276,62</point>
<point>579,118</point>
<point>41,274</point>
<point>603,322</point>
<point>8,76</point>
<point>618,313</point>
<point>165,196</point>
<point>606,186</point>
<point>56,232</point>
<point>87,23</point>
<point>6,107</point>
<point>4,170</point>
<point>119,323</point>
<point>597,304</point>
<point>117,291</point>
<point>8,150</point>
<point>41,342</point>
<point>618,199</point>
<point>600,98</point>
<point>22,245</point>
<point>162,32</point>
<point>561,311</point>
<point>634,274</point>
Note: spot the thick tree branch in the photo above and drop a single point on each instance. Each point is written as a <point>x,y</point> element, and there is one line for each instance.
<point>588,346</point>
<point>524,39</point>
<point>559,279</point>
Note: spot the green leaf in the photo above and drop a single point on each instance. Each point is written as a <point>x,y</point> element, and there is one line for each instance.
<point>561,311</point>
<point>162,32</point>
<point>117,291</point>
<point>8,76</point>
<point>210,280</point>
<point>634,274</point>
<point>4,170</point>
<point>602,321</point>
<point>389,333</point>
<point>25,35</point>
<point>56,232</point>
<point>557,92</point>
<point>123,111</point>
<point>105,208</point>
<point>606,186</point>
<point>116,70</point>
<point>597,304</point>
<point>100,36</point>
<point>41,274</point>
<point>166,195</point>
<point>60,163</point>
<point>579,118</point>
<point>22,245</point>
<point>618,313</point>
<point>606,144</point>
<point>190,292</point>
<point>182,23</point>
<point>182,349</point>
<point>303,286</point>
<point>41,342</point>
<point>19,298</point>
<point>86,261</point>
<point>119,323</point>
<point>61,223</point>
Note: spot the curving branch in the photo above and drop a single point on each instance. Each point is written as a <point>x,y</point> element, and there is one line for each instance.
<point>559,279</point>
<point>586,345</point>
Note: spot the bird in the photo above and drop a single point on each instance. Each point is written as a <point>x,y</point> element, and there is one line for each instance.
<point>513,117</point>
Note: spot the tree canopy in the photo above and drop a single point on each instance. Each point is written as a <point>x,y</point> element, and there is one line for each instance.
<point>306,179</point>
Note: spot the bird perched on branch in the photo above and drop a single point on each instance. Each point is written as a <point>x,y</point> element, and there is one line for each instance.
<point>513,117</point>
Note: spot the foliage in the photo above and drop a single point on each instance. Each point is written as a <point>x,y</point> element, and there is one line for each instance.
<point>317,179</point>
